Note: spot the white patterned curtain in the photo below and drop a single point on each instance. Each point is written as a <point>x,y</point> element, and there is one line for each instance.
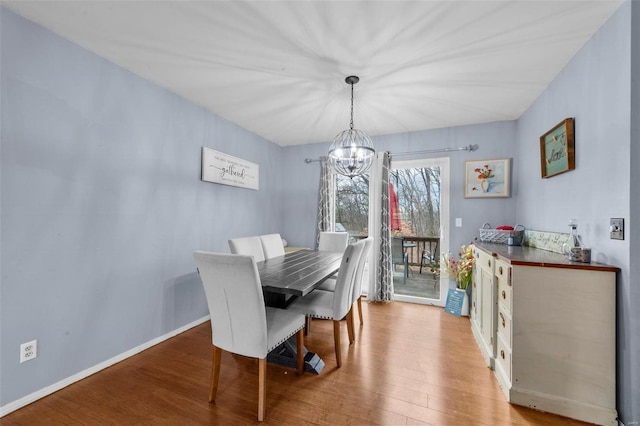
<point>381,284</point>
<point>326,198</point>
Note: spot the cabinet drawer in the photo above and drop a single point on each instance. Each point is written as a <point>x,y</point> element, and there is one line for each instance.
<point>505,293</point>
<point>503,358</point>
<point>504,326</point>
<point>484,260</point>
<point>503,271</point>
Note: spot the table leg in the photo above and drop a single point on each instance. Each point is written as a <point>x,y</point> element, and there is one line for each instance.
<point>286,355</point>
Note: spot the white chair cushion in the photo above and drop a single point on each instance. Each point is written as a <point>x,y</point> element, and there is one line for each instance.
<point>250,246</point>
<point>240,323</point>
<point>272,245</point>
<point>333,305</point>
<point>328,285</point>
<point>317,304</point>
<point>333,241</point>
<point>282,324</point>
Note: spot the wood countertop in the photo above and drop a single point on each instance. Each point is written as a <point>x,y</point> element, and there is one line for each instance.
<point>529,256</point>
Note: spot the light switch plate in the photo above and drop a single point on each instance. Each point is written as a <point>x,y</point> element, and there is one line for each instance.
<point>616,228</point>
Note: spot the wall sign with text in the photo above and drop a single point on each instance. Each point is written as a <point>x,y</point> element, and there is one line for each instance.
<point>218,167</point>
<point>557,149</point>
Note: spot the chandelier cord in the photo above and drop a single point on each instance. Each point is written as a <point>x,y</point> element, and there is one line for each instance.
<point>351,125</point>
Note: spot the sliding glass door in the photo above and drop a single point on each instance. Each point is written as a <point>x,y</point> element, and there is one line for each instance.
<point>420,224</point>
<point>419,227</point>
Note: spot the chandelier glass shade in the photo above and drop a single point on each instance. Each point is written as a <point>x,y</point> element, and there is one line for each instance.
<point>352,152</point>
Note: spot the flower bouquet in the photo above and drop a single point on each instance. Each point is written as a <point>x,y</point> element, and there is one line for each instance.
<point>460,269</point>
<point>484,172</point>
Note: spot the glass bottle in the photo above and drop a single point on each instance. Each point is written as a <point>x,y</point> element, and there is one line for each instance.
<point>577,241</point>
<point>572,247</point>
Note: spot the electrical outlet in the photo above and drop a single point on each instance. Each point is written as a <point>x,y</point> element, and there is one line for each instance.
<point>458,222</point>
<point>28,351</point>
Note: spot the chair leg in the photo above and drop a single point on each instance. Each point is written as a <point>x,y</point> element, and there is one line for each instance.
<point>360,309</point>
<point>406,272</point>
<point>406,268</point>
<point>215,373</point>
<point>350,328</point>
<point>300,351</point>
<point>262,388</point>
<point>336,341</point>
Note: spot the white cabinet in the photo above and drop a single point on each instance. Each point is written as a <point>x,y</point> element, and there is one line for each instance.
<point>504,327</point>
<point>483,305</point>
<point>555,334</point>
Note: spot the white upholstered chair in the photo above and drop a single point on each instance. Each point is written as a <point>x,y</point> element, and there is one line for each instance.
<point>240,322</point>
<point>251,246</point>
<point>333,241</point>
<point>330,283</point>
<point>334,305</point>
<point>357,286</point>
<point>272,245</point>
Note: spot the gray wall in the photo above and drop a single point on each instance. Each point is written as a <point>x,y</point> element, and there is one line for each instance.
<point>595,88</point>
<point>102,206</point>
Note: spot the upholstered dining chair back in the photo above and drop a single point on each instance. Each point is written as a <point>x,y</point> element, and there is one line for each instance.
<point>272,245</point>
<point>249,246</point>
<point>240,322</point>
<point>335,305</point>
<point>333,241</point>
<point>236,304</point>
<point>357,284</point>
<point>346,276</point>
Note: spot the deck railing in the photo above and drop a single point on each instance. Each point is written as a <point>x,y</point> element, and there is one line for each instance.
<point>416,246</point>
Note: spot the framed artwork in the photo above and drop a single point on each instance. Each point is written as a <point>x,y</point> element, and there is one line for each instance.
<point>487,178</point>
<point>557,149</point>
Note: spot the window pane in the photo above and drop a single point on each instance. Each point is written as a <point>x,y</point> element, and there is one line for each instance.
<point>352,205</point>
<point>418,192</point>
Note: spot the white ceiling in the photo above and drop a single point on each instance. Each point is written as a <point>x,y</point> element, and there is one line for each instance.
<point>277,68</point>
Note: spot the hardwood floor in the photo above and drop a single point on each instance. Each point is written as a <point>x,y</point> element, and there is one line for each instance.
<point>410,365</point>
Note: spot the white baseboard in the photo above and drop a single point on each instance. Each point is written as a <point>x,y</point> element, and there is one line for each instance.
<point>15,405</point>
<point>578,410</point>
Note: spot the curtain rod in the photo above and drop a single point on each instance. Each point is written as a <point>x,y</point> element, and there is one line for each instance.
<point>428,151</point>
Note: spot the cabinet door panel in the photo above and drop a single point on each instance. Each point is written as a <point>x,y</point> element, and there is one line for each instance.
<point>487,312</point>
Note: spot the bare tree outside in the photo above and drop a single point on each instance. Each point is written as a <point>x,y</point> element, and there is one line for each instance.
<point>418,192</point>
<point>352,204</point>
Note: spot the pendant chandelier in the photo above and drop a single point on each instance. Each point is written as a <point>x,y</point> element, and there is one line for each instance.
<point>351,153</point>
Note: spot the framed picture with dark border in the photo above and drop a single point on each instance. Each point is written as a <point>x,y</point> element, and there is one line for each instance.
<point>557,149</point>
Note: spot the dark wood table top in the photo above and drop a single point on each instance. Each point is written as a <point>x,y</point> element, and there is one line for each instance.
<point>298,273</point>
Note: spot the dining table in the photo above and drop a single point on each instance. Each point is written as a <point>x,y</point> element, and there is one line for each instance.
<point>284,279</point>
<point>298,273</point>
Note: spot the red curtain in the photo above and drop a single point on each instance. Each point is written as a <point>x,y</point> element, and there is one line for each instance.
<point>394,209</point>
